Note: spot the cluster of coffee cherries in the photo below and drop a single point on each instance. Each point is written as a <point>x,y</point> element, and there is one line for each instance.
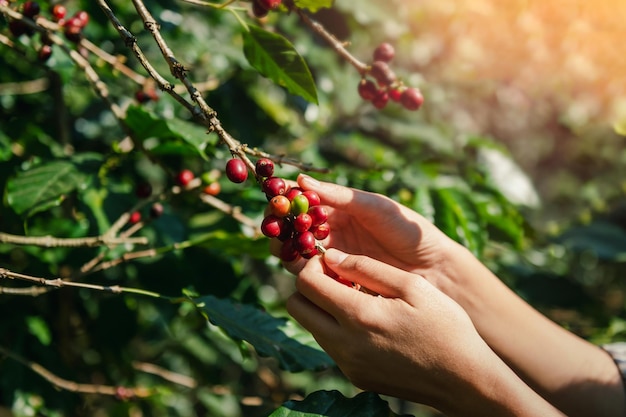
<point>144,190</point>
<point>383,84</point>
<point>261,8</point>
<point>72,27</point>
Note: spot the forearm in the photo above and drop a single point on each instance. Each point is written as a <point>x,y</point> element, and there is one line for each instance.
<point>574,375</point>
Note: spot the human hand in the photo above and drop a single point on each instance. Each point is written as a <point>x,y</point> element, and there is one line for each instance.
<point>412,342</point>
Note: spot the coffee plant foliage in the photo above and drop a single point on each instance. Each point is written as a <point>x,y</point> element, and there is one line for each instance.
<point>179,309</point>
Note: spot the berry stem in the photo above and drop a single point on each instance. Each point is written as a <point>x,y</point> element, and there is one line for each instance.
<point>320,248</point>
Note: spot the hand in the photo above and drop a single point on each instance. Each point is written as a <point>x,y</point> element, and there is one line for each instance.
<point>374,225</point>
<point>411,342</point>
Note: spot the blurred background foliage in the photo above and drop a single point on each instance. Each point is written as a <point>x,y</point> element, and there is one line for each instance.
<point>515,154</point>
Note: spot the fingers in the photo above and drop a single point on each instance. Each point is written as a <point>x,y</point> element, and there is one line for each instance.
<point>310,316</point>
<point>374,275</point>
<point>338,196</point>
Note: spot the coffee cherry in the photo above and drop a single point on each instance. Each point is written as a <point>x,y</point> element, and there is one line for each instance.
<point>58,12</point>
<point>280,206</point>
<point>73,31</point>
<point>274,186</point>
<point>288,252</point>
<point>304,243</point>
<point>381,99</point>
<point>19,28</point>
<point>31,9</point>
<point>135,217</point>
<point>82,18</point>
<point>313,197</point>
<point>299,204</point>
<point>412,99</point>
<point>44,53</point>
<point>141,96</point>
<point>302,222</point>
<point>309,255</point>
<point>269,4</point>
<point>259,11</point>
<point>319,215</point>
<point>272,226</point>
<point>384,52</point>
<point>382,73</point>
<point>292,192</point>
<point>264,167</point>
<point>367,89</point>
<point>143,190</point>
<point>156,210</point>
<point>395,94</point>
<point>321,231</point>
<point>236,170</point>
<point>212,189</point>
<point>184,177</point>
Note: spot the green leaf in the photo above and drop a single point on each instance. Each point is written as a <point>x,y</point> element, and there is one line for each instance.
<point>43,187</point>
<point>39,328</point>
<point>313,5</point>
<point>334,404</point>
<point>275,337</point>
<point>604,239</point>
<point>277,59</point>
<point>149,125</point>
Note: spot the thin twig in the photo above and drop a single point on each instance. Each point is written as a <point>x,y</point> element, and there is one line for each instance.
<point>56,242</point>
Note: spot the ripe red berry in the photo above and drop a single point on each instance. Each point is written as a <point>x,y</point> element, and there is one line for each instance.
<point>309,255</point>
<point>272,226</point>
<point>288,252</point>
<point>135,217</point>
<point>313,197</point>
<point>367,89</point>
<point>280,206</point>
<point>264,167</point>
<point>274,186</point>
<point>269,4</point>
<point>302,222</point>
<point>259,11</point>
<point>58,12</point>
<point>213,188</point>
<point>184,177</point>
<point>381,99</point>
<point>156,210</point>
<point>395,94</point>
<point>384,52</point>
<point>236,170</point>
<point>321,231</point>
<point>143,190</point>
<point>292,192</point>
<point>319,215</point>
<point>82,18</point>
<point>382,73</point>
<point>73,31</point>
<point>304,243</point>
<point>44,53</point>
<point>412,99</point>
<point>141,96</point>
<point>31,9</point>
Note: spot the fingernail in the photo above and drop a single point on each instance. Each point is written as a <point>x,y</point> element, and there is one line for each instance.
<point>310,181</point>
<point>334,256</point>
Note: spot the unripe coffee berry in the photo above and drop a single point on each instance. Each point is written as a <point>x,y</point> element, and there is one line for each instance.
<point>412,99</point>
<point>274,186</point>
<point>367,89</point>
<point>299,204</point>
<point>236,170</point>
<point>184,177</point>
<point>264,167</point>
<point>212,189</point>
<point>384,52</point>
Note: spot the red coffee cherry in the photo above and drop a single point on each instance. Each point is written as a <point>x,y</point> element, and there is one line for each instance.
<point>412,99</point>
<point>156,210</point>
<point>58,12</point>
<point>321,231</point>
<point>395,94</point>
<point>269,4</point>
<point>288,252</point>
<point>44,53</point>
<point>73,30</point>
<point>135,217</point>
<point>236,170</point>
<point>31,9</point>
<point>19,28</point>
<point>304,243</point>
<point>302,222</point>
<point>280,206</point>
<point>259,11</point>
<point>82,18</point>
<point>184,177</point>
<point>313,197</point>
<point>381,99</point>
<point>274,186</point>
<point>264,167</point>
<point>292,192</point>
<point>382,73</point>
<point>213,188</point>
<point>319,215</point>
<point>309,255</point>
<point>272,226</point>
<point>384,52</point>
<point>367,89</point>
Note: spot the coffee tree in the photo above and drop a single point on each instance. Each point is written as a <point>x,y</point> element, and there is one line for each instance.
<point>148,151</point>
